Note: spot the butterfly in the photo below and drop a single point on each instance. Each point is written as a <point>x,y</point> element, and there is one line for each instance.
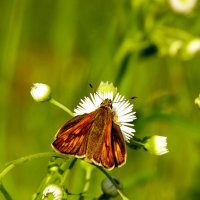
<point>93,136</point>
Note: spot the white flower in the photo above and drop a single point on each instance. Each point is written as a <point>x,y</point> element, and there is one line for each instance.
<point>121,108</point>
<point>41,92</point>
<point>182,6</point>
<point>53,190</point>
<point>193,46</point>
<point>156,145</point>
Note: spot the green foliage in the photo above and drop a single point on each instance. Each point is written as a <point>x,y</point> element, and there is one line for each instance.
<point>142,46</point>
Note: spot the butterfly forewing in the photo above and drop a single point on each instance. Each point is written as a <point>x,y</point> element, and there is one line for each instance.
<point>73,134</point>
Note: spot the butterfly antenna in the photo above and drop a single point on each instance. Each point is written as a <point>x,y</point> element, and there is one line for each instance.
<point>133,97</point>
<point>126,99</point>
<point>91,86</point>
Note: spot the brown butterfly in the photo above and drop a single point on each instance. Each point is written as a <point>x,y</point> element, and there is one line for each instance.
<point>93,136</point>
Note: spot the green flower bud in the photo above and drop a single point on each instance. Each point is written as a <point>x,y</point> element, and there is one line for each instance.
<point>175,47</point>
<point>41,92</point>
<point>105,87</point>
<point>109,189</point>
<point>192,48</point>
<point>156,145</point>
<point>197,101</point>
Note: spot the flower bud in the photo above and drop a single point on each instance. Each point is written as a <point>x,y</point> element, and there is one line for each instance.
<point>52,191</point>
<point>175,47</point>
<point>193,46</point>
<point>108,188</point>
<point>106,87</point>
<point>41,92</point>
<point>156,145</point>
<point>182,6</point>
<point>197,101</point>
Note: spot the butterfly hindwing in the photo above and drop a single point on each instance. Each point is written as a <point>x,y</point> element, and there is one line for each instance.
<point>118,144</point>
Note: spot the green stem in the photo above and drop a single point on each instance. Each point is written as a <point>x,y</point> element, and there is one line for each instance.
<point>87,180</point>
<point>67,171</point>
<point>180,32</point>
<point>56,103</point>
<point>45,182</point>
<point>121,193</point>
<point>137,143</point>
<point>28,158</point>
<point>5,192</point>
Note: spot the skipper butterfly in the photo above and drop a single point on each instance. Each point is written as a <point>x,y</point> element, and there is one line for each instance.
<point>95,136</point>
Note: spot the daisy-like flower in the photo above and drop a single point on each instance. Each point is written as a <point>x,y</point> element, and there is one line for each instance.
<point>156,145</point>
<point>41,92</point>
<point>121,108</point>
<point>54,191</point>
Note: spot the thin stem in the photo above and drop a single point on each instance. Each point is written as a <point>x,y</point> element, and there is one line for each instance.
<point>67,171</point>
<point>87,180</point>
<point>56,103</point>
<point>5,192</point>
<point>28,158</point>
<point>121,193</point>
<point>45,181</point>
<point>137,143</point>
<point>180,32</point>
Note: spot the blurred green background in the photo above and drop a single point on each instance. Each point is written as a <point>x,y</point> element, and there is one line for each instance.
<point>148,49</point>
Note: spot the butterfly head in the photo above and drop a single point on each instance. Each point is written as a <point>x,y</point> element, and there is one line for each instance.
<point>107,103</point>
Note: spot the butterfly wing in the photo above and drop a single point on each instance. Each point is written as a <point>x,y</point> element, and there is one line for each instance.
<point>94,136</point>
<point>103,154</point>
<point>112,152</point>
<point>118,145</point>
<point>72,136</point>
